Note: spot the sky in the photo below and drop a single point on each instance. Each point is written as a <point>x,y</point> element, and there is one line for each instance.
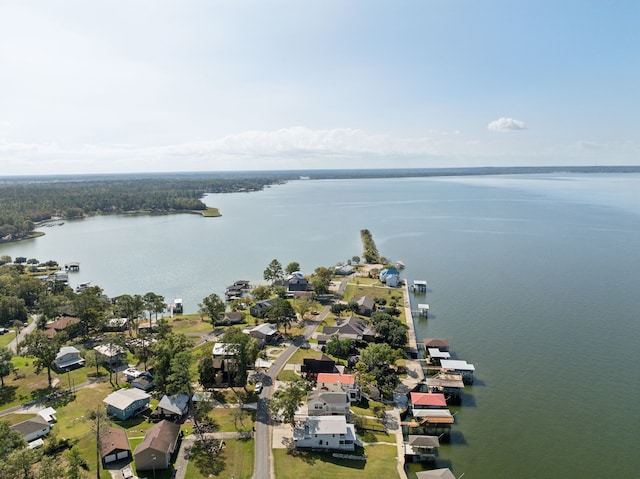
<point>224,85</point>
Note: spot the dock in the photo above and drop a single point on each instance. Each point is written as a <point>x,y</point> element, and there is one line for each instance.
<point>419,286</point>
<point>423,310</point>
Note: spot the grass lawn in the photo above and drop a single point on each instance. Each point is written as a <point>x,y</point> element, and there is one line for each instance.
<point>382,292</point>
<point>375,436</point>
<point>235,461</point>
<point>6,338</point>
<point>190,324</point>
<point>381,462</point>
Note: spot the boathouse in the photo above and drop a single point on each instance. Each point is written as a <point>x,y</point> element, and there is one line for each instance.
<point>463,368</point>
<point>440,343</point>
<point>421,448</point>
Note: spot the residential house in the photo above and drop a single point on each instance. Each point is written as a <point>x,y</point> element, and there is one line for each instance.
<point>311,367</point>
<point>159,443</point>
<point>126,403</point>
<point>144,381</point>
<point>259,309</point>
<point>354,328</point>
<point>421,447</point>
<point>237,289</point>
<point>326,432</point>
<point>265,333</point>
<point>389,276</point>
<point>296,282</point>
<point>336,382</point>
<point>114,445</point>
<point>111,354</point>
<point>427,400</point>
<point>172,407</point>
<point>344,270</point>
<point>325,403</point>
<point>68,357</point>
<point>32,428</point>
<point>59,325</point>
<point>229,318</point>
<point>366,305</point>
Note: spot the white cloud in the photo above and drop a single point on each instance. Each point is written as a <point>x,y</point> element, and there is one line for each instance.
<point>506,124</point>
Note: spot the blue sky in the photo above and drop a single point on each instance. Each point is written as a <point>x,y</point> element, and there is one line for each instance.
<point>198,85</point>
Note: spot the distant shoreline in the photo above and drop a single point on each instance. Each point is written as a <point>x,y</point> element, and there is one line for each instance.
<point>335,173</point>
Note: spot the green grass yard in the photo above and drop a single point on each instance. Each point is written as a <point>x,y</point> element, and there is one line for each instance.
<point>381,462</point>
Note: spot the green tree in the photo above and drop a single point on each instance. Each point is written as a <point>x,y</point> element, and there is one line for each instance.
<point>142,348</point>
<point>286,401</point>
<point>43,349</point>
<point>339,348</point>
<point>89,307</point>
<point>154,304</point>
<point>9,439</point>
<point>130,307</point>
<point>245,351</point>
<point>99,422</point>
<point>260,293</point>
<point>292,267</point>
<point>214,307</point>
<point>273,271</point>
<point>74,462</point>
<point>5,363</point>
<point>163,352</point>
<point>12,308</point>
<point>280,312</point>
<point>321,280</point>
<point>206,372</point>
<point>179,379</point>
<point>303,305</point>
<point>93,359</point>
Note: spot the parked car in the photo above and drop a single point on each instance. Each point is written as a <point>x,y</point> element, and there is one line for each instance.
<point>258,388</point>
<point>3,330</point>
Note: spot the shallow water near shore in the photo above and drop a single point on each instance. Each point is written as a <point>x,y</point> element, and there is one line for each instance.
<point>532,278</point>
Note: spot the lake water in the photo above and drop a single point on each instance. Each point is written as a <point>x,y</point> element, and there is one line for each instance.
<point>534,279</point>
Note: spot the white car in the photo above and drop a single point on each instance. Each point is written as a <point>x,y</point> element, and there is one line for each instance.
<point>258,388</point>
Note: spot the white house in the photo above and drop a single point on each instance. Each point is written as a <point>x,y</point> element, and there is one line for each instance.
<point>326,432</point>
<point>67,357</point>
<point>112,354</point>
<point>32,428</point>
<point>126,403</point>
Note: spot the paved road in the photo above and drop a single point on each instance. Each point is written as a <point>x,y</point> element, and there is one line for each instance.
<point>23,332</point>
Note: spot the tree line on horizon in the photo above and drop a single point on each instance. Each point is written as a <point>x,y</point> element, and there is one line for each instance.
<point>24,203</point>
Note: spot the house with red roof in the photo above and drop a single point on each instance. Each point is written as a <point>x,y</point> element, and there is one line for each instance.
<point>337,382</point>
<point>428,400</point>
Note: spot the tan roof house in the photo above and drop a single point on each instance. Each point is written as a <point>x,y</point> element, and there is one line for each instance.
<point>155,451</point>
<point>114,445</point>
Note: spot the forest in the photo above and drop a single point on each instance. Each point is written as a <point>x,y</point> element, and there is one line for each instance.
<point>25,202</point>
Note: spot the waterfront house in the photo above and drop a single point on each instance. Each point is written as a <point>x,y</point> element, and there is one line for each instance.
<point>326,432</point>
<point>68,357</point>
<point>311,367</point>
<point>325,403</point>
<point>172,407</point>
<point>427,400</point>
<point>126,403</point>
<point>32,428</point>
<point>389,276</point>
<point>421,447</point>
<point>114,445</point>
<point>337,382</point>
<point>159,443</point>
<point>366,305</point>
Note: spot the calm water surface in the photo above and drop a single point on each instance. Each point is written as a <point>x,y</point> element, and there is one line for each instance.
<point>532,278</point>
